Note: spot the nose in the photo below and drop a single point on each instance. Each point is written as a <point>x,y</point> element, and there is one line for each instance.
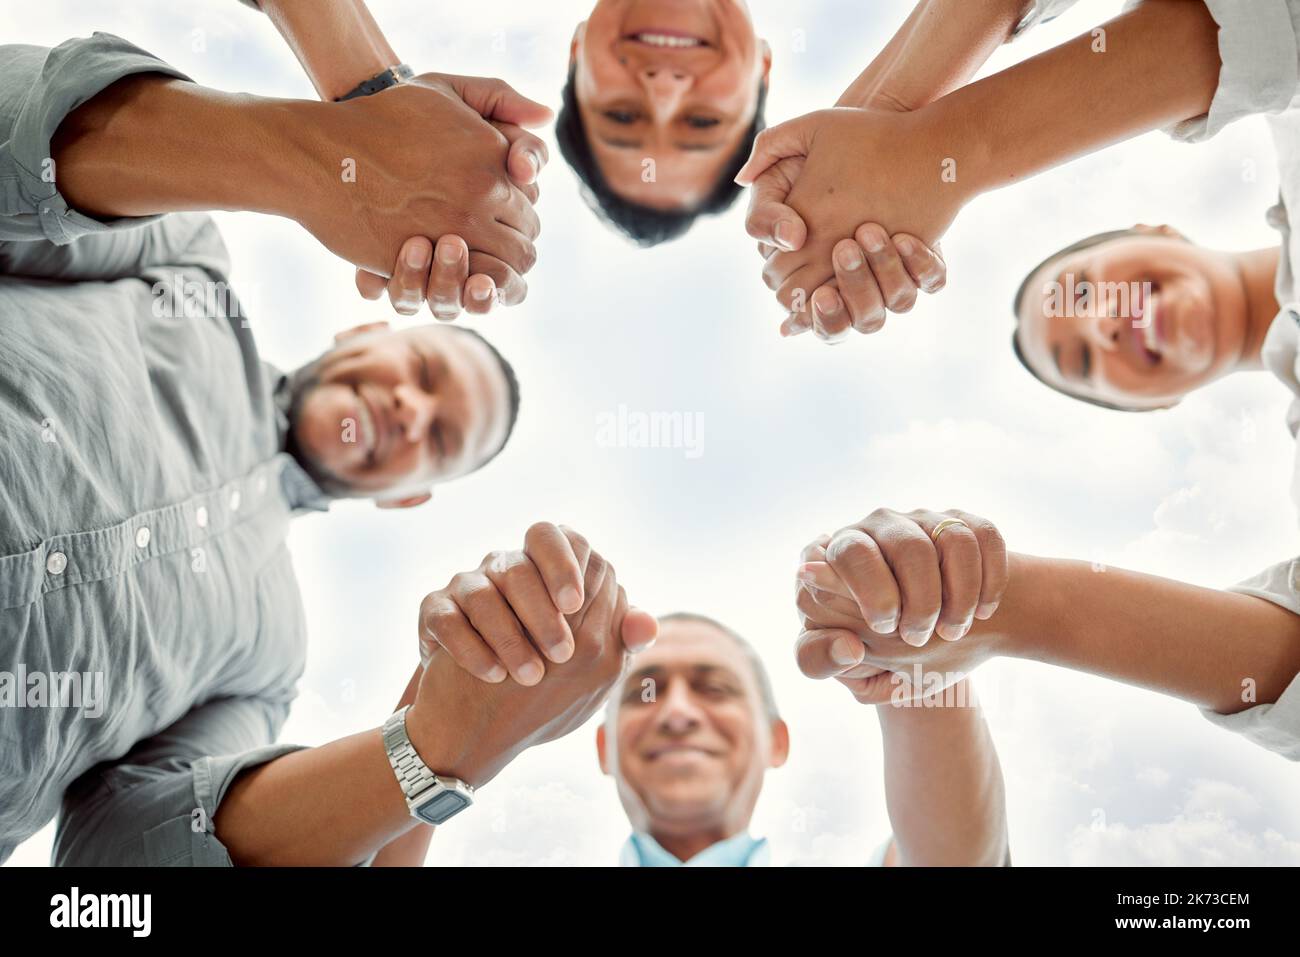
<point>413,410</point>
<point>1102,329</point>
<point>678,713</point>
<point>664,87</point>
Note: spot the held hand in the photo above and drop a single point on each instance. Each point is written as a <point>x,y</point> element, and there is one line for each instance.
<point>520,609</point>
<point>441,275</point>
<point>871,596</point>
<point>839,168</point>
<point>420,160</point>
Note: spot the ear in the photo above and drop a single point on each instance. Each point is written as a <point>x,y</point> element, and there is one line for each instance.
<point>1164,229</point>
<point>765,49</point>
<point>600,749</point>
<point>360,330</point>
<point>780,743</point>
<point>409,502</point>
<point>576,42</point>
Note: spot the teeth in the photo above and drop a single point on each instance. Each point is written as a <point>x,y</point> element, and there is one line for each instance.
<point>1149,337</point>
<point>660,40</point>
<point>367,425</point>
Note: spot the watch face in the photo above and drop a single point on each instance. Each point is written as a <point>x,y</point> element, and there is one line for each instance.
<point>441,806</point>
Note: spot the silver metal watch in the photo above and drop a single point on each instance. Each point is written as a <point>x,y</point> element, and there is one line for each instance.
<point>432,798</point>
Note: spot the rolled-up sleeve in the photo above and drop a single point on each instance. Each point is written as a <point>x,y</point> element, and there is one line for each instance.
<point>1273,725</point>
<point>1040,11</point>
<point>156,806</point>
<point>39,87</point>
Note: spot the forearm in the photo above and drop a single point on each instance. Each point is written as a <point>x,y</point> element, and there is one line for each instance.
<point>1160,65</point>
<point>337,42</point>
<point>1200,644</point>
<point>937,49</point>
<point>411,848</point>
<point>943,783</point>
<point>150,144</point>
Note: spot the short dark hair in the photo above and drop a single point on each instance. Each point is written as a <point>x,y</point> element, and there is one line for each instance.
<point>512,386</point>
<point>645,225</point>
<point>1087,243</point>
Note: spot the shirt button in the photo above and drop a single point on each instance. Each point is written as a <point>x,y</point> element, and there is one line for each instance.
<point>142,537</point>
<point>234,500</point>
<point>56,563</point>
<point>261,485</point>
<point>201,516</point>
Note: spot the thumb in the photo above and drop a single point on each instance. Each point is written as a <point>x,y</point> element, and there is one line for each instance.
<point>498,100</point>
<point>770,220</point>
<point>772,145</point>
<point>639,630</point>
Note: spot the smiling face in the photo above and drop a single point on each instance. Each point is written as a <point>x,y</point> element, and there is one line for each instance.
<point>673,81</point>
<point>389,413</point>
<point>691,759</point>
<point>1136,321</point>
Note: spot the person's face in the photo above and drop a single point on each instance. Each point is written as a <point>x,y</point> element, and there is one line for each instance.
<point>388,411</point>
<point>1137,321</point>
<point>692,737</point>
<point>672,81</point>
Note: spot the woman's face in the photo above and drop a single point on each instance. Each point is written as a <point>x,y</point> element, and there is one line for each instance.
<point>1137,321</point>
<point>666,90</point>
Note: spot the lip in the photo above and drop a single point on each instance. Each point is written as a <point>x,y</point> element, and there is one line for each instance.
<point>369,422</point>
<point>655,754</point>
<point>1138,336</point>
<point>640,37</point>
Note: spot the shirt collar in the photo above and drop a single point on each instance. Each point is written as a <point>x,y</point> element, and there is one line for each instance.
<point>741,850</point>
<point>299,488</point>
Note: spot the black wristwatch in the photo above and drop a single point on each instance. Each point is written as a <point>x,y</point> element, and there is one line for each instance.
<point>390,77</point>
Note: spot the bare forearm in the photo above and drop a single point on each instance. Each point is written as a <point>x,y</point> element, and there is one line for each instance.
<point>943,783</point>
<point>338,42</point>
<point>151,144</point>
<point>1160,65</point>
<point>938,48</point>
<point>1200,644</point>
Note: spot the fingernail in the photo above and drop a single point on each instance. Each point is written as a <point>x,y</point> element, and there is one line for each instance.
<point>570,599</point>
<point>496,674</point>
<point>953,632</point>
<point>530,672</point>
<point>562,652</point>
<point>916,637</point>
<point>984,611</point>
<point>850,258</point>
<point>905,246</point>
<point>416,256</point>
<point>407,307</point>
<point>874,243</point>
<point>783,233</point>
<point>449,253</point>
<point>534,162</point>
<point>885,626</point>
<point>444,312</point>
<point>828,305</point>
<point>845,651</point>
<point>481,293</point>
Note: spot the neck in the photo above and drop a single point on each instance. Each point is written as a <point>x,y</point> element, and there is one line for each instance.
<point>685,846</point>
<point>1257,270</point>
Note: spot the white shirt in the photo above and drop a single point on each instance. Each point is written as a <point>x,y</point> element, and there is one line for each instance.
<point>1259,48</point>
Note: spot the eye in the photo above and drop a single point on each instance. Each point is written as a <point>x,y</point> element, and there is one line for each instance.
<point>421,369</point>
<point>1085,361</point>
<point>622,117</point>
<point>701,122</point>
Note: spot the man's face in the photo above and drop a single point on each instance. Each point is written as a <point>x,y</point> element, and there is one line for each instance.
<point>1160,318</point>
<point>692,738</point>
<point>390,411</point>
<point>673,81</point>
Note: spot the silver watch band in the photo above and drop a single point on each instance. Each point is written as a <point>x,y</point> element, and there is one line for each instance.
<point>412,773</point>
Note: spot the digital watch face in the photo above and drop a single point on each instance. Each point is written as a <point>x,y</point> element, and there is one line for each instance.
<point>442,806</point>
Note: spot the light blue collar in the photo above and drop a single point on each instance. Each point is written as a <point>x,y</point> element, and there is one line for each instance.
<point>642,850</point>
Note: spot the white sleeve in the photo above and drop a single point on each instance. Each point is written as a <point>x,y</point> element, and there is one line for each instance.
<point>1275,726</point>
<point>1041,11</point>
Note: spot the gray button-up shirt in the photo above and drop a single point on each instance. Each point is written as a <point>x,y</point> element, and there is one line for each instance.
<point>145,497</point>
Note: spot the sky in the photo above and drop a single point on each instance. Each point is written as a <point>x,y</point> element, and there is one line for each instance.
<point>795,439</point>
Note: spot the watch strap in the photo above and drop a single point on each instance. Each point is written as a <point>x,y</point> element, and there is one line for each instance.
<point>412,773</point>
<point>390,77</point>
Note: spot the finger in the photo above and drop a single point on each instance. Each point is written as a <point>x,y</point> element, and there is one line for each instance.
<point>519,215</point>
<point>510,288</point>
<point>479,295</point>
<point>830,318</point>
<point>410,275</point>
<point>527,157</point>
<point>884,687</point>
<point>597,630</point>
<point>492,617</point>
<point>495,99</point>
<point>860,564</point>
<point>442,623</point>
<point>772,145</point>
<point>765,249</point>
<point>827,586</point>
<point>795,324</point>
<point>639,630</point>
<point>857,287</point>
<point>449,273</point>
<point>834,613</point>
<point>795,292</point>
<point>370,285</point>
<point>896,284</point>
<point>914,562</point>
<point>770,220</point>
<point>993,562</point>
<point>550,551</point>
<point>923,264</point>
<point>825,653</point>
<point>518,580</point>
<point>959,570</point>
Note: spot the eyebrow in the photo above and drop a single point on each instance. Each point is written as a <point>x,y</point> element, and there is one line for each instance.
<point>698,147</point>
<point>621,144</point>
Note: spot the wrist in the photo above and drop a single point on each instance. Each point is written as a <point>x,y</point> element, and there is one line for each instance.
<point>442,731</point>
<point>1014,630</point>
<point>338,44</point>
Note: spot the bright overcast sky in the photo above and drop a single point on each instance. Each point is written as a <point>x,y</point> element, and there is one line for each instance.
<point>797,439</point>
